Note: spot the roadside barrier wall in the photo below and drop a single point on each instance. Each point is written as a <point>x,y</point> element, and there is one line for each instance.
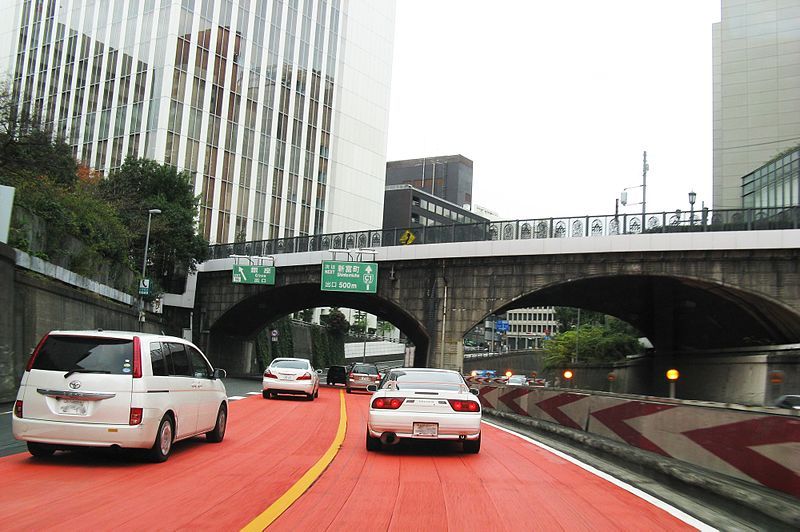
<point>760,445</point>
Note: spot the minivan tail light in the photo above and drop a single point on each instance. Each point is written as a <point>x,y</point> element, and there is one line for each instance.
<point>36,353</point>
<point>387,403</point>
<point>304,377</point>
<point>136,416</point>
<point>137,362</point>
<point>464,406</point>
<point>18,409</point>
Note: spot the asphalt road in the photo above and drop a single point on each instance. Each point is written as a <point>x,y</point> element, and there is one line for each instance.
<point>512,484</point>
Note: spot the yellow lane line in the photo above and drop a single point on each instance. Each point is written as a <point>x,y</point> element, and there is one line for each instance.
<point>292,494</point>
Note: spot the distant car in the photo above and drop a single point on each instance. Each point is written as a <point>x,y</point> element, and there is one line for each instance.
<point>290,376</point>
<point>118,389</point>
<point>426,404</point>
<point>362,375</point>
<point>337,375</point>
<point>517,380</point>
<point>788,401</point>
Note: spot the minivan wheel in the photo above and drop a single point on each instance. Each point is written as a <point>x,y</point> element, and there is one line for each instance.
<point>164,438</point>
<point>40,450</point>
<point>316,393</point>
<point>216,435</point>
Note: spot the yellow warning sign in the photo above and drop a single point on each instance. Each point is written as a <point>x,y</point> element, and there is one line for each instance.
<point>407,238</point>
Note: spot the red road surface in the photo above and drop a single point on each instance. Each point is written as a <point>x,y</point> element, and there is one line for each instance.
<point>510,485</point>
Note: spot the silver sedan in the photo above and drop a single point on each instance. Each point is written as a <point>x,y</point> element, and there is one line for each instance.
<point>426,404</point>
<point>291,376</point>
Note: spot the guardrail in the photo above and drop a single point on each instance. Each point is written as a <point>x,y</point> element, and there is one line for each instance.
<point>704,220</point>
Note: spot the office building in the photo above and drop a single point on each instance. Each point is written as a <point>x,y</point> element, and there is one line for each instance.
<point>775,184</point>
<point>278,108</point>
<point>756,74</point>
<point>407,206</point>
<point>448,177</point>
<point>529,327</point>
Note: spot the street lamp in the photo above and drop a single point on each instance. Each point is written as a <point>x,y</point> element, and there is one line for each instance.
<point>692,198</point>
<point>150,214</point>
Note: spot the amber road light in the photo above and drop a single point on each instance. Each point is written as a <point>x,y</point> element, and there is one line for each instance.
<point>508,373</point>
<point>672,376</point>
<point>568,374</point>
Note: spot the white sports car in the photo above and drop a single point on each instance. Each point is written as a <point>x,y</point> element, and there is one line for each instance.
<point>423,403</point>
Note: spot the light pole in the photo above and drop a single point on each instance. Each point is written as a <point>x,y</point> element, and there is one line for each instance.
<point>692,198</point>
<point>150,214</point>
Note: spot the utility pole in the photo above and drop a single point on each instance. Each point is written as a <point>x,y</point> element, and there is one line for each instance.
<point>645,168</point>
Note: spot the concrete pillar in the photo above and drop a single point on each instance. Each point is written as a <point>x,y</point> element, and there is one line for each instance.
<point>9,370</point>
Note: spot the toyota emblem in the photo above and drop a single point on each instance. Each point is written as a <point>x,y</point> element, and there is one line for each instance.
<point>75,385</point>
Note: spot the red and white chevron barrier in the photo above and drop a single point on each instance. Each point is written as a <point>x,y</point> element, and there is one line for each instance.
<point>754,446</point>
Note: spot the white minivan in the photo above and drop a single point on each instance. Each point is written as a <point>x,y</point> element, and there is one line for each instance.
<point>118,389</point>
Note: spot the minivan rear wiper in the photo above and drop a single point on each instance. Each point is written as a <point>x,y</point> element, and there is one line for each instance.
<point>67,374</point>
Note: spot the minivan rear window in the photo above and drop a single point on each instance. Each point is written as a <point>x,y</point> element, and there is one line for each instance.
<point>100,355</point>
<point>365,369</point>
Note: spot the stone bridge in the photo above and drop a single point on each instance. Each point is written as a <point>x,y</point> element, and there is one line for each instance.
<point>698,291</point>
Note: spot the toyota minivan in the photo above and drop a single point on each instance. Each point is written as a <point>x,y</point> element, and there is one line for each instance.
<point>118,389</point>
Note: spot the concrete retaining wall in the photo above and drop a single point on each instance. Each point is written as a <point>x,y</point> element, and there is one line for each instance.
<point>757,445</point>
<point>33,303</point>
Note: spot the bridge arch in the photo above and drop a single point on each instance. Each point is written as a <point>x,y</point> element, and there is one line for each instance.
<point>675,312</point>
<point>244,319</point>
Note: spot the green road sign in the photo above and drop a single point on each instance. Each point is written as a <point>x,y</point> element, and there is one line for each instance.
<point>144,287</point>
<point>247,274</point>
<point>339,276</point>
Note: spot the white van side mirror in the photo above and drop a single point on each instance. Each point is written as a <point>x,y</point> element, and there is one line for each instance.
<point>220,373</point>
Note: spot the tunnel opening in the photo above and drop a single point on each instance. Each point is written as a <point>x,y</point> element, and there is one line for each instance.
<point>241,323</point>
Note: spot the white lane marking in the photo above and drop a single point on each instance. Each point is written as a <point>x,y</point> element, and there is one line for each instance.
<point>6,412</point>
<point>235,397</point>
<point>253,393</point>
<point>686,518</point>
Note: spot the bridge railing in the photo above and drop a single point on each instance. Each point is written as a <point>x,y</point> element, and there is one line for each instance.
<point>704,220</point>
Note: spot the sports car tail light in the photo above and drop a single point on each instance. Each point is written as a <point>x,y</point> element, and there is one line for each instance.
<point>18,409</point>
<point>268,374</point>
<point>387,403</point>
<point>304,377</point>
<point>135,417</point>
<point>464,406</point>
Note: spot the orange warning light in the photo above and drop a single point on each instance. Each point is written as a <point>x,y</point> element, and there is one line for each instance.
<point>672,374</point>
<point>568,374</point>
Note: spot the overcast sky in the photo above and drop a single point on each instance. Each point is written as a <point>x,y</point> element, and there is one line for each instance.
<point>555,100</point>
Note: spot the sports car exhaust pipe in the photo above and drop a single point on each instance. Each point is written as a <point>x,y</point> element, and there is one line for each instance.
<point>389,438</point>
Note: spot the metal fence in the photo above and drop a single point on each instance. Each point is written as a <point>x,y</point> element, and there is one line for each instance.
<point>704,220</point>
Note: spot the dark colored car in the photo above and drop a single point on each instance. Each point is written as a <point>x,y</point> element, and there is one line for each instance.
<point>337,375</point>
<point>362,375</point>
<point>788,401</point>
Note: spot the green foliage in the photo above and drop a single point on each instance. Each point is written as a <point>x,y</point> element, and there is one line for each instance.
<point>567,317</point>
<point>307,315</point>
<point>590,344</point>
<point>335,322</point>
<point>175,247</point>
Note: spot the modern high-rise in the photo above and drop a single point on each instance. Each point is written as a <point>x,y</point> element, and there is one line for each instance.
<point>448,177</point>
<point>278,108</point>
<point>756,53</point>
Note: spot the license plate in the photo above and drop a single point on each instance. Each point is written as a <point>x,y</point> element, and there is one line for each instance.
<point>426,430</point>
<point>286,377</point>
<point>73,408</point>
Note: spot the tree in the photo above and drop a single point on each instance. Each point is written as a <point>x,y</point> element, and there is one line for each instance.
<point>175,247</point>
<point>336,322</point>
<point>592,344</point>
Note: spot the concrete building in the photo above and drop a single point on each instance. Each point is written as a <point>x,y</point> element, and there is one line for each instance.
<point>529,327</point>
<point>279,108</point>
<point>407,206</point>
<point>756,72</point>
<point>448,177</point>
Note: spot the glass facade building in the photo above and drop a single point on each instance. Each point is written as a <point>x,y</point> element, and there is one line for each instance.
<point>278,108</point>
<point>756,90</point>
<point>776,184</point>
